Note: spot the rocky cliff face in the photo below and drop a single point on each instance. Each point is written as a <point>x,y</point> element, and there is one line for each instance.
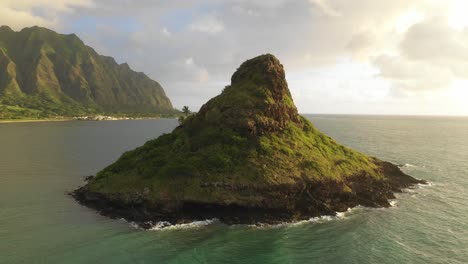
<point>246,157</point>
<point>48,74</point>
<point>258,100</point>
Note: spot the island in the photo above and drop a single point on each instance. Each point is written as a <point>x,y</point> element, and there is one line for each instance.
<point>246,157</point>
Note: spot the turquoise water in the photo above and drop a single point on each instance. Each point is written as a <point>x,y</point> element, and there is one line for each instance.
<point>39,162</point>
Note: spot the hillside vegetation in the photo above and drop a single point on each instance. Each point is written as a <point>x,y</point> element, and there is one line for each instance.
<point>46,74</point>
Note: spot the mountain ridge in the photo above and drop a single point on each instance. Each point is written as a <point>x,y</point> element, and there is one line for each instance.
<point>50,74</point>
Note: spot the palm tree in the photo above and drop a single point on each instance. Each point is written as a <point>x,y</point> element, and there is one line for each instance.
<point>186,110</point>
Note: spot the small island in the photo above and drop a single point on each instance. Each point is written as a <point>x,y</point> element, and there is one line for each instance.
<point>246,157</point>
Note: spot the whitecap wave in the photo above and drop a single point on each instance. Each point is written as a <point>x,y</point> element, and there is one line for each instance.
<point>407,165</point>
<point>313,220</point>
<point>326,218</point>
<point>132,224</point>
<point>427,184</point>
<point>163,225</point>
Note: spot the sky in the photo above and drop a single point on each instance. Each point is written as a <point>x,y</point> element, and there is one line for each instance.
<point>399,57</point>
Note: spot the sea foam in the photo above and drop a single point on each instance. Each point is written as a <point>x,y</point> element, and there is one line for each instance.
<point>163,225</point>
<point>407,165</point>
<point>313,220</point>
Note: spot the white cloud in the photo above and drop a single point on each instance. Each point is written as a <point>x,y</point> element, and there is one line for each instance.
<point>434,40</point>
<point>22,13</point>
<point>191,70</point>
<point>432,55</point>
<point>189,61</point>
<point>166,32</point>
<point>408,75</point>
<point>404,50</point>
<point>325,7</point>
<point>62,5</point>
<point>18,19</point>
<point>408,19</point>
<point>240,10</point>
<point>207,24</point>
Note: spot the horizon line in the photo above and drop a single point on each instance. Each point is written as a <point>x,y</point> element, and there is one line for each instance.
<point>389,115</point>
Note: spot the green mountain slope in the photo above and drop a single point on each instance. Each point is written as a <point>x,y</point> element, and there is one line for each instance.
<point>43,73</point>
<point>246,156</point>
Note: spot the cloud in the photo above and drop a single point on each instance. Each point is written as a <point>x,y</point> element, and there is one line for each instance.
<point>22,13</point>
<point>207,24</point>
<point>325,8</point>
<point>409,48</point>
<point>18,19</point>
<point>360,44</point>
<point>412,76</point>
<point>166,32</point>
<point>431,56</point>
<point>435,41</point>
<point>391,37</point>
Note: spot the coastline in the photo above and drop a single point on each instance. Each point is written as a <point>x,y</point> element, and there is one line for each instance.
<point>315,199</point>
<point>33,120</point>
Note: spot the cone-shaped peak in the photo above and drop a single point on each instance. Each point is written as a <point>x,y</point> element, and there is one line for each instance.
<point>257,101</point>
<point>267,71</point>
<point>263,68</point>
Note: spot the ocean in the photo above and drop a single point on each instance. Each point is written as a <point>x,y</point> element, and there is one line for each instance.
<point>39,223</point>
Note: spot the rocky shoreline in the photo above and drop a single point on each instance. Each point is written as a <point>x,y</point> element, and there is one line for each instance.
<point>283,203</point>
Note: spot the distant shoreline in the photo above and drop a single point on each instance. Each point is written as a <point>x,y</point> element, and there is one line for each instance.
<point>75,119</point>
<point>33,120</point>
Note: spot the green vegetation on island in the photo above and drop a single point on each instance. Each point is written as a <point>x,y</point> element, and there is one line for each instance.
<point>247,156</point>
<point>44,74</point>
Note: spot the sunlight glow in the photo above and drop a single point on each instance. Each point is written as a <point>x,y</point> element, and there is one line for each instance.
<point>457,95</point>
<point>407,20</point>
<point>459,90</point>
<point>457,17</point>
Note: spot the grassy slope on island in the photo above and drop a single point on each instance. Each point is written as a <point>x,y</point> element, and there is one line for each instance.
<point>216,145</point>
<point>46,74</point>
<point>247,156</point>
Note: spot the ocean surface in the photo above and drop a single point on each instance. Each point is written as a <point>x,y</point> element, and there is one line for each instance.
<point>39,223</point>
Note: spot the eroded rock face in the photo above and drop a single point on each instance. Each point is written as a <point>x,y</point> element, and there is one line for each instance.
<point>268,105</point>
<point>264,70</point>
